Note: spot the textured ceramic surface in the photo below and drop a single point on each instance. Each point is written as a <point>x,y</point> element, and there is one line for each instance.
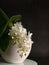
<point>11,55</point>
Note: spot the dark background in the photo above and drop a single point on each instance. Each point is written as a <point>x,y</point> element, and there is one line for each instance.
<point>35,17</point>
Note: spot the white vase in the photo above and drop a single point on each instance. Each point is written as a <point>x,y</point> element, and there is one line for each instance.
<point>13,56</point>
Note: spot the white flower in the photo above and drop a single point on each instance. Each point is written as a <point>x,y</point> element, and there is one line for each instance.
<point>19,35</point>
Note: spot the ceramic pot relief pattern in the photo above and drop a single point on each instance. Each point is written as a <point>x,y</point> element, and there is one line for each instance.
<point>12,55</point>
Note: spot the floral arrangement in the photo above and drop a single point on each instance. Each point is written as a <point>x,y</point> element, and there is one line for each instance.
<point>19,36</point>
<point>16,34</point>
<point>15,40</point>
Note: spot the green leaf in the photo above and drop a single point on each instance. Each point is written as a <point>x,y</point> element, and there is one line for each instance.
<point>3,22</point>
<point>5,38</point>
<point>13,19</point>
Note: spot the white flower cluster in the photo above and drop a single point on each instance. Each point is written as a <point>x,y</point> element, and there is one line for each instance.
<point>19,35</point>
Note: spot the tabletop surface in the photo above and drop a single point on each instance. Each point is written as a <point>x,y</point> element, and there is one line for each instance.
<point>26,62</point>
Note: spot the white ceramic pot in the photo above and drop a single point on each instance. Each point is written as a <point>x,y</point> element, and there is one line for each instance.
<point>13,56</point>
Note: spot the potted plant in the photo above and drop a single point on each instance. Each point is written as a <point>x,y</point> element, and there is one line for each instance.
<point>15,41</point>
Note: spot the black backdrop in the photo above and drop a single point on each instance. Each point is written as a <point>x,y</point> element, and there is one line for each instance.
<point>35,17</point>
